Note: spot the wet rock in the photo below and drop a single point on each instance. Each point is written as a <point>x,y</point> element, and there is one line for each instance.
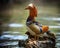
<point>21,43</point>
<point>39,44</point>
<point>46,41</point>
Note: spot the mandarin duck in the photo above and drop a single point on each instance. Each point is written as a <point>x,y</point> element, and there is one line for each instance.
<point>33,27</point>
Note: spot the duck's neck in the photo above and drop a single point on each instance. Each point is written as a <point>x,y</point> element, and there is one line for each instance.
<point>32,15</point>
<point>30,18</point>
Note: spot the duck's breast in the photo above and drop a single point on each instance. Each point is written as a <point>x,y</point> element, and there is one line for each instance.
<point>34,28</point>
<point>30,31</point>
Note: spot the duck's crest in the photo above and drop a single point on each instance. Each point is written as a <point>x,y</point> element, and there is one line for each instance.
<point>31,5</point>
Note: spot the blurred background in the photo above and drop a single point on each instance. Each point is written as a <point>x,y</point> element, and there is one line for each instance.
<point>13,18</point>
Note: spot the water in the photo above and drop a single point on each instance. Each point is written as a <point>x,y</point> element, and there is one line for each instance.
<point>17,28</point>
<point>15,36</point>
<point>54,27</point>
<point>51,18</point>
<point>11,41</point>
<point>15,25</point>
<point>58,40</point>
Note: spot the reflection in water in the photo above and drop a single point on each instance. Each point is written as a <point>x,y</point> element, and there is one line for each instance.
<point>14,37</point>
<point>58,24</point>
<point>58,40</point>
<point>58,45</point>
<point>54,26</point>
<point>10,32</point>
<point>9,43</point>
<point>51,19</point>
<point>11,40</point>
<point>15,25</point>
<point>20,25</point>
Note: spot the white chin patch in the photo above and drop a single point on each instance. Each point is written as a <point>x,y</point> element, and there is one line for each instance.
<point>31,5</point>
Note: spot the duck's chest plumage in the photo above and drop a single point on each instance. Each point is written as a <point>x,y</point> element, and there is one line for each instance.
<point>32,26</point>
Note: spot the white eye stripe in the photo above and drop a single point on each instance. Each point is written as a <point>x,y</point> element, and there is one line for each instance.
<point>31,5</point>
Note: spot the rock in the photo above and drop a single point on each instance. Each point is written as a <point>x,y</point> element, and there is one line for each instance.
<point>39,44</point>
<point>46,41</point>
<point>21,43</point>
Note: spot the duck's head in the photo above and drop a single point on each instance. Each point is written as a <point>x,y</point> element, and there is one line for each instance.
<point>32,10</point>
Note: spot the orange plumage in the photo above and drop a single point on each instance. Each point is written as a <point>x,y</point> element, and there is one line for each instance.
<point>32,10</point>
<point>45,28</point>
